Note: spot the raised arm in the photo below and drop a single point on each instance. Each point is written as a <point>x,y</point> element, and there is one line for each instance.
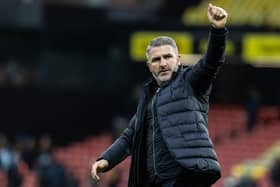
<point>204,72</point>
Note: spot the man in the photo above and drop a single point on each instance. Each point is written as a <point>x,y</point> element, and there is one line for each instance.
<point>168,137</point>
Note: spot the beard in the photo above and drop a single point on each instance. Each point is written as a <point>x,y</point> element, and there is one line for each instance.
<point>165,75</point>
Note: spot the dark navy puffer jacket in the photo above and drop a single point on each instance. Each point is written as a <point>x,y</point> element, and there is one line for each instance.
<point>182,110</point>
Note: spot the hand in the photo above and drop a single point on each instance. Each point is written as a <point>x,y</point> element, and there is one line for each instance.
<point>217,16</point>
<point>98,167</point>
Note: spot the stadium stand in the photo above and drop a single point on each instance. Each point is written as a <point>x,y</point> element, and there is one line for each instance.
<point>3,179</point>
<point>224,120</point>
<point>251,13</point>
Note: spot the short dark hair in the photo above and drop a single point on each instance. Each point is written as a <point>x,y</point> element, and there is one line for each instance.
<point>159,41</point>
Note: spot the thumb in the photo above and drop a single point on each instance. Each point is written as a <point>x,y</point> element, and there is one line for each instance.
<point>210,9</point>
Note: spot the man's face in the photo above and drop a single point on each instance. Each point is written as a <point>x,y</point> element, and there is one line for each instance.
<point>163,62</point>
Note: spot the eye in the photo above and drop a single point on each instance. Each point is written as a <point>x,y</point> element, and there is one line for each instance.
<point>167,56</point>
<point>154,60</point>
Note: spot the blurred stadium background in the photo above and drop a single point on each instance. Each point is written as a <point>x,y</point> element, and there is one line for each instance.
<point>70,72</point>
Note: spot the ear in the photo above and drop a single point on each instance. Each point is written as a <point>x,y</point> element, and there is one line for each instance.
<point>179,60</point>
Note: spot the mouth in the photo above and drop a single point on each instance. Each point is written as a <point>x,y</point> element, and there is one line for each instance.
<point>164,71</point>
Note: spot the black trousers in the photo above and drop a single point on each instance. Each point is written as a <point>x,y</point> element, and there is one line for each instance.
<point>186,179</point>
<point>180,182</point>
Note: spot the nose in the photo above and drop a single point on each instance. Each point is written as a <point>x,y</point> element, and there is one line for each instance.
<point>162,62</point>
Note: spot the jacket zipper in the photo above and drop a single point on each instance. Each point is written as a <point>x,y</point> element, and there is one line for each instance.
<point>153,135</point>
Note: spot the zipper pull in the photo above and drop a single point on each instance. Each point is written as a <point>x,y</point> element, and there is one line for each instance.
<point>157,90</point>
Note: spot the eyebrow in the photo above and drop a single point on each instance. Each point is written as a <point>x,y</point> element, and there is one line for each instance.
<point>153,59</point>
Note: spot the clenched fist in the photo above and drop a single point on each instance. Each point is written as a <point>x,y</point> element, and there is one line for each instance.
<point>217,16</point>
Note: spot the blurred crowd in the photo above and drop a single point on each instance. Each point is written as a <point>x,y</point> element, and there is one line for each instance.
<point>24,154</point>
<point>15,74</point>
<point>272,178</point>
